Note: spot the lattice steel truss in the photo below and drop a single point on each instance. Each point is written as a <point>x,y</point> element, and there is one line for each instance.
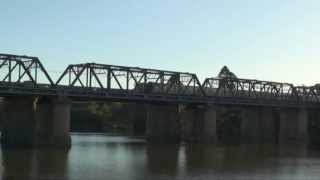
<point>308,93</point>
<point>249,88</point>
<point>130,79</point>
<point>23,69</point>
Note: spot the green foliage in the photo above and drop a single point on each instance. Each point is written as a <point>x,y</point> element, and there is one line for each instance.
<point>102,111</point>
<point>101,116</point>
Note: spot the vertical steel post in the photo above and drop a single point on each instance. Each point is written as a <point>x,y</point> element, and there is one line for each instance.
<point>109,78</point>
<point>36,74</point>
<point>127,85</point>
<point>90,76</point>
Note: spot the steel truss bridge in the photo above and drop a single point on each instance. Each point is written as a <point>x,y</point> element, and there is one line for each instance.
<point>26,76</point>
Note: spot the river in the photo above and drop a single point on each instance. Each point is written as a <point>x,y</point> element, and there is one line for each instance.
<point>103,157</point>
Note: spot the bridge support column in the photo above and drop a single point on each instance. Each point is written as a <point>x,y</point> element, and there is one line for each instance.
<point>293,126</point>
<point>210,125</point>
<point>53,123</point>
<point>198,124</point>
<point>18,124</point>
<point>31,122</point>
<point>314,128</point>
<point>163,123</point>
<point>190,123</point>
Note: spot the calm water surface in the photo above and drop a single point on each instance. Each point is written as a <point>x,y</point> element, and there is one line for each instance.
<point>98,157</point>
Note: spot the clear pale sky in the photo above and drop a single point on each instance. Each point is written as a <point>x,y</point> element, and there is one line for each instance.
<point>275,40</point>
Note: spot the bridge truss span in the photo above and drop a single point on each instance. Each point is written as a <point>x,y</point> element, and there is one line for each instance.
<point>28,70</point>
<point>260,90</point>
<point>130,80</point>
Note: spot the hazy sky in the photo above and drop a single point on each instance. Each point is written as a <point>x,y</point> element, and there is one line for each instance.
<point>275,40</point>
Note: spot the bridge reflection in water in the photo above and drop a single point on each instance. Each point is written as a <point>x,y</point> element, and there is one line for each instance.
<point>115,158</point>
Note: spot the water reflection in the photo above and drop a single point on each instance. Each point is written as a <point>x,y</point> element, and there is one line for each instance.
<point>31,164</point>
<point>162,159</point>
<point>117,158</point>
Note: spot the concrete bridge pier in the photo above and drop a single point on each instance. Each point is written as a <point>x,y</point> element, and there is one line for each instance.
<point>32,121</point>
<point>61,110</point>
<point>210,125</point>
<point>53,122</point>
<point>18,128</point>
<point>293,126</point>
<point>314,128</point>
<point>191,125</point>
<point>198,124</point>
<point>163,123</point>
